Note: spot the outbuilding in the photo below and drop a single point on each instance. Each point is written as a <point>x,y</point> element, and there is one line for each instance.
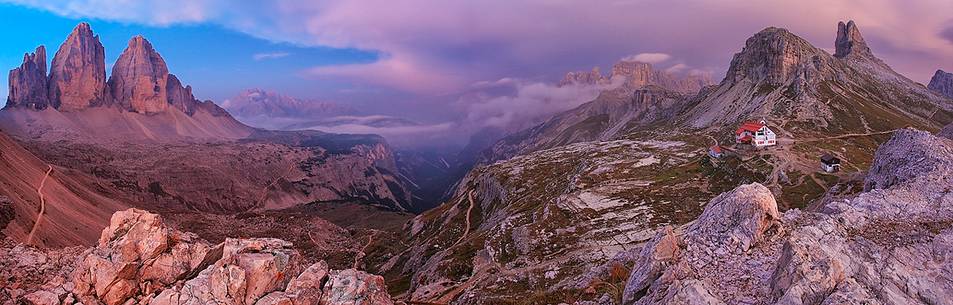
<point>829,163</point>
<point>715,151</point>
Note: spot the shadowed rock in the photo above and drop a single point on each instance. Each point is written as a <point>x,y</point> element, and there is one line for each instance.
<point>849,41</point>
<point>28,83</point>
<point>942,83</point>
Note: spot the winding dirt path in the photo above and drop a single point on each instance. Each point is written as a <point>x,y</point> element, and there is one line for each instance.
<point>363,252</point>
<point>39,217</point>
<point>264,192</point>
<point>467,228</point>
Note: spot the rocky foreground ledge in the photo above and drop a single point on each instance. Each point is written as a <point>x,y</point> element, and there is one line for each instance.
<point>140,260</point>
<point>892,244</point>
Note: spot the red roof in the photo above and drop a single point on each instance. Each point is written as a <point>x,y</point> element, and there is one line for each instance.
<point>751,126</point>
<point>716,149</point>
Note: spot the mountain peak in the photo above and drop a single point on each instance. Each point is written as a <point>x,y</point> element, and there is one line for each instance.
<point>771,55</point>
<point>850,41</point>
<point>78,71</point>
<point>942,83</point>
<point>28,83</point>
<point>82,29</point>
<point>139,78</point>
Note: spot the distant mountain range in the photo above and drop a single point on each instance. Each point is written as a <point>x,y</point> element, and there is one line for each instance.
<point>273,110</point>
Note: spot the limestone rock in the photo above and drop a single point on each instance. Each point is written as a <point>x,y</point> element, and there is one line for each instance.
<point>78,72</point>
<point>42,298</point>
<point>773,56</point>
<point>889,245</point>
<point>28,83</point>
<point>352,287</point>
<point>139,78</point>
<point>137,254</point>
<point>849,41</point>
<point>736,220</point>
<point>307,286</point>
<point>181,97</point>
<point>249,270</point>
<point>942,83</point>
<point>908,154</point>
<point>652,261</point>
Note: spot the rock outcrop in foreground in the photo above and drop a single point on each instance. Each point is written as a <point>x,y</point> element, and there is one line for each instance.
<point>890,245</point>
<point>140,260</point>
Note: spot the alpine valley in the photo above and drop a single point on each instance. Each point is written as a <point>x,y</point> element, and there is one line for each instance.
<point>127,189</point>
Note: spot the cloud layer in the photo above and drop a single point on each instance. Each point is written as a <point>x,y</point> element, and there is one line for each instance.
<point>455,43</point>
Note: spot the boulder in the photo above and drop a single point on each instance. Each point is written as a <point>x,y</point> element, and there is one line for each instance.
<point>249,270</point>
<point>656,256</point>
<point>735,221</point>
<point>352,287</point>
<point>137,254</point>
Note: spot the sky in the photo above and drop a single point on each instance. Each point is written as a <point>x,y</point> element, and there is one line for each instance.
<point>468,63</point>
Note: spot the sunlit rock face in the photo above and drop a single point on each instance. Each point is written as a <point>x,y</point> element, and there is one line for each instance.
<point>139,78</point>
<point>78,72</point>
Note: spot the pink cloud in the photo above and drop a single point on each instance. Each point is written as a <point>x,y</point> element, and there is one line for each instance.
<point>455,43</point>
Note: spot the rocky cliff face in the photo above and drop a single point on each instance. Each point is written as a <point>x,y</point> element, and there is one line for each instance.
<point>140,260</point>
<point>942,83</point>
<point>28,83</point>
<point>593,77</point>
<point>139,78</point>
<point>861,250</point>
<point>612,114</point>
<point>78,71</point>
<point>779,75</point>
<point>636,96</point>
<point>339,167</point>
<point>263,108</point>
<point>635,75</point>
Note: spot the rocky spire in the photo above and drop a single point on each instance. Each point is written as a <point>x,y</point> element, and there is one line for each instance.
<point>78,72</point>
<point>180,97</point>
<point>942,83</point>
<point>849,41</point>
<point>139,78</point>
<point>28,83</point>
